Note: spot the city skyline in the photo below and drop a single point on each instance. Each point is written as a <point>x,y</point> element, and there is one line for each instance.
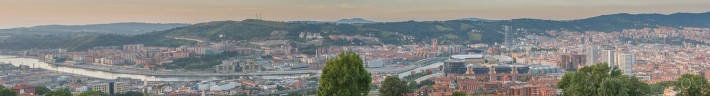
<point>77,12</point>
<point>325,48</point>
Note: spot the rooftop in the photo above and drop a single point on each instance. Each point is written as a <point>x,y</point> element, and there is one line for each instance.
<point>469,56</point>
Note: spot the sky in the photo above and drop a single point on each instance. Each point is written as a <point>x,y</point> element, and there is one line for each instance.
<point>25,13</point>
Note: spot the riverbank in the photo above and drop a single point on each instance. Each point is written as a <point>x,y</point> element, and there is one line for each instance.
<point>113,72</point>
<point>148,76</point>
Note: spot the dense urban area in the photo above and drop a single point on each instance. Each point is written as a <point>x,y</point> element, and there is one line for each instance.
<point>502,60</point>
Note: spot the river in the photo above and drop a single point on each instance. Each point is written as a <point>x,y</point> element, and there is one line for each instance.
<point>35,63</point>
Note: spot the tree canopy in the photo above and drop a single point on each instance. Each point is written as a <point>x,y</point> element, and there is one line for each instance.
<point>458,93</point>
<point>392,86</point>
<point>42,90</point>
<point>692,85</point>
<point>344,75</point>
<point>6,91</point>
<point>59,92</point>
<point>657,88</point>
<point>601,80</point>
<point>412,85</point>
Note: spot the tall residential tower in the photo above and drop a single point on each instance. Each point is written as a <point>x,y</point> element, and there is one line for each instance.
<point>608,57</point>
<point>592,55</point>
<point>625,62</point>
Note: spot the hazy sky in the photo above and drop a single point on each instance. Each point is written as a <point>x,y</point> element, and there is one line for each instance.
<point>22,13</point>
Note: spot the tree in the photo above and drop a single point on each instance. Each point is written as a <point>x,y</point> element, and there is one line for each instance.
<point>458,93</point>
<point>613,86</point>
<point>6,91</point>
<point>392,86</point>
<point>658,88</point>
<point>692,85</point>
<point>601,80</point>
<point>426,83</point>
<point>93,93</point>
<point>344,75</point>
<point>59,92</point>
<point>41,90</point>
<point>129,93</point>
<point>301,93</point>
<point>413,86</point>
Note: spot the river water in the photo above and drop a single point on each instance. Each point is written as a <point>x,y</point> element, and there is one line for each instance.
<point>35,63</point>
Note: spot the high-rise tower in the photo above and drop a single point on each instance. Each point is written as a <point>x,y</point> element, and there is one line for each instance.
<point>609,57</point>
<point>592,55</point>
<point>625,62</point>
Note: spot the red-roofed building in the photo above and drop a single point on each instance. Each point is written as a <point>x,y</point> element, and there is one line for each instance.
<point>297,85</point>
<point>23,89</point>
<point>707,75</point>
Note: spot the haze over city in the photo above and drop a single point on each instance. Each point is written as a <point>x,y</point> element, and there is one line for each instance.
<point>26,13</point>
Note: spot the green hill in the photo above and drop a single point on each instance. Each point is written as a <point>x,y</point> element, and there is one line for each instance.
<point>448,32</point>
<point>73,42</point>
<point>129,28</point>
<point>390,33</point>
<point>83,43</point>
<point>454,31</point>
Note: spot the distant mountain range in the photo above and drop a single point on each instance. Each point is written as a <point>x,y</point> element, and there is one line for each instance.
<point>353,21</point>
<point>478,19</point>
<point>111,28</point>
<point>460,31</point>
<point>341,21</point>
<point>362,21</point>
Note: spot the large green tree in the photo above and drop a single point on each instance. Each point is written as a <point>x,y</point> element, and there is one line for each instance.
<point>692,85</point>
<point>601,80</point>
<point>392,86</point>
<point>42,90</point>
<point>6,91</point>
<point>412,86</point>
<point>59,92</point>
<point>344,75</point>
